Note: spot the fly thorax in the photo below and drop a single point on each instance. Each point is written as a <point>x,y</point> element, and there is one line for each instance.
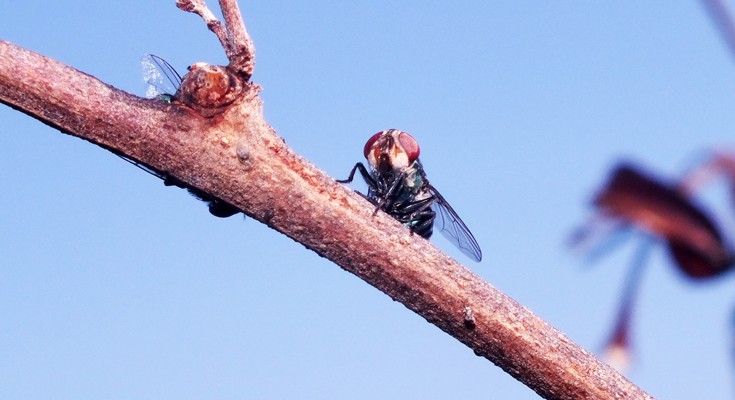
<point>414,183</point>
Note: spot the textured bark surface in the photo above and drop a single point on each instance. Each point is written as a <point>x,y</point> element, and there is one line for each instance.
<point>236,156</point>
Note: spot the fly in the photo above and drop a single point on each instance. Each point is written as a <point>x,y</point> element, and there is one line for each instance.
<point>217,207</point>
<point>162,82</point>
<point>398,186</point>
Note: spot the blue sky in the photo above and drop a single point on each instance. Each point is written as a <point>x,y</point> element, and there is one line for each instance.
<point>115,286</point>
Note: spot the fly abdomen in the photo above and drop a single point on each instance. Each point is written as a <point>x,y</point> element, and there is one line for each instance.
<point>423,224</point>
<point>417,215</point>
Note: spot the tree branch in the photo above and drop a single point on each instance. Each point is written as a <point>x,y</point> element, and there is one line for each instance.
<point>237,157</point>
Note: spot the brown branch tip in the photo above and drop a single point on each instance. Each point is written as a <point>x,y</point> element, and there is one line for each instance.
<point>232,35</point>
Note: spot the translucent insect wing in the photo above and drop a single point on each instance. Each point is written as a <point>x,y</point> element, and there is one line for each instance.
<point>161,79</point>
<point>451,226</point>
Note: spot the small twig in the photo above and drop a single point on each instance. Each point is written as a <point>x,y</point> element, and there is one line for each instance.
<point>234,37</point>
<point>719,164</point>
<point>199,8</point>
<point>243,50</point>
<point>722,17</point>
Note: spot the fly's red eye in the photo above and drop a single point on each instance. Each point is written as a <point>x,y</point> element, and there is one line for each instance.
<point>371,142</point>
<point>409,145</point>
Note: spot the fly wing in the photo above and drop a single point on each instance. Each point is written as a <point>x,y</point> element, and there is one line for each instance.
<point>161,79</point>
<point>144,167</point>
<point>452,227</point>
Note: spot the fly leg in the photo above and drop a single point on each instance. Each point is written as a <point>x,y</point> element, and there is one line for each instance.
<point>385,202</point>
<point>381,192</point>
<point>368,198</point>
<point>365,175</point>
<point>419,216</point>
<point>372,185</point>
